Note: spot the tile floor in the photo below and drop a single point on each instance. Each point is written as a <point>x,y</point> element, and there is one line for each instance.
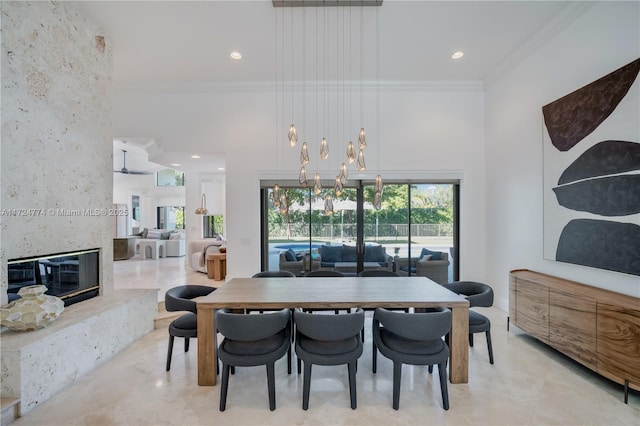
<point>529,384</point>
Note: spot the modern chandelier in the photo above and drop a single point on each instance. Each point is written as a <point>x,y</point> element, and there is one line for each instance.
<point>341,30</point>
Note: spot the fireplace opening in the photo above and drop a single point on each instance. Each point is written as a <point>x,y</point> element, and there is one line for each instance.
<point>72,276</point>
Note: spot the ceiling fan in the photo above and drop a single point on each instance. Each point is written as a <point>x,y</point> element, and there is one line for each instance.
<point>124,169</point>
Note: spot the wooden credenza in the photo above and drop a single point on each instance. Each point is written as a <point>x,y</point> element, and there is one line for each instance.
<point>595,327</point>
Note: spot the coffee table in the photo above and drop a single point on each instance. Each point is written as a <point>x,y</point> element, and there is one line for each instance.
<point>352,267</point>
<point>157,248</point>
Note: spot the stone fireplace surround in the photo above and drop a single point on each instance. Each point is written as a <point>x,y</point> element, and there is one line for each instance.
<point>57,106</point>
<point>36,365</point>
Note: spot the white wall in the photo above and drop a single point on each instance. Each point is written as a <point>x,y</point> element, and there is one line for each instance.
<point>604,38</point>
<point>425,130</point>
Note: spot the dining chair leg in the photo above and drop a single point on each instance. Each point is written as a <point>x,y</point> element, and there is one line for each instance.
<point>488,333</point>
<point>169,352</point>
<point>186,344</point>
<point>299,366</point>
<point>431,369</point>
<point>374,357</point>
<point>289,360</point>
<point>470,339</point>
<point>271,385</point>
<point>224,386</point>
<point>442,370</point>
<point>397,375</point>
<point>352,383</point>
<point>306,385</point>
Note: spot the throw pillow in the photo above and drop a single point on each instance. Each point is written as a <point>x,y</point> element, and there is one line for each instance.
<point>165,235</point>
<point>425,258</point>
<point>374,254</point>
<point>348,254</point>
<point>290,255</point>
<point>145,232</point>
<point>154,234</point>
<point>435,255</point>
<point>331,253</point>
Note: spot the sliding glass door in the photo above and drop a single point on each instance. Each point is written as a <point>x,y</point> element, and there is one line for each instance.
<point>414,233</point>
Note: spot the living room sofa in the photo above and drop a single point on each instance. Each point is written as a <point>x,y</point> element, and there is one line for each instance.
<point>431,264</point>
<point>329,254</point>
<point>172,242</point>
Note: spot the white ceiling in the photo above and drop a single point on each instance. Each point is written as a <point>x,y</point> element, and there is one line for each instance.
<point>168,43</point>
<point>190,41</point>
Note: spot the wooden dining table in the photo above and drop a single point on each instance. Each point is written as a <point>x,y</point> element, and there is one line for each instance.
<point>333,293</point>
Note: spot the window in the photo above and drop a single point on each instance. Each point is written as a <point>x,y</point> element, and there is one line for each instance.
<point>414,216</point>
<point>212,226</point>
<point>170,217</point>
<point>169,177</point>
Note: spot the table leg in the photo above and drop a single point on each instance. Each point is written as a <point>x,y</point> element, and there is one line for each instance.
<point>459,350</point>
<point>207,366</point>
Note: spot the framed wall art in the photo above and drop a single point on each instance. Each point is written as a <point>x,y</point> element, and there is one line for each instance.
<point>591,153</point>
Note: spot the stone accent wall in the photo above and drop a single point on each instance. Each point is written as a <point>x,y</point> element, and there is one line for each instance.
<point>56,158</point>
<point>56,191</point>
<point>36,365</point>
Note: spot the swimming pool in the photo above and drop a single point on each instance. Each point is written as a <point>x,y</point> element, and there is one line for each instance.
<point>297,246</point>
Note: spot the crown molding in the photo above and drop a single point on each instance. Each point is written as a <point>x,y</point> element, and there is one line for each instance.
<point>299,86</point>
<point>568,15</point>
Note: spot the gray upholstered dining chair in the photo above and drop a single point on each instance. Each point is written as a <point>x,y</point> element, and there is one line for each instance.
<point>324,273</point>
<point>478,295</point>
<point>328,340</point>
<point>252,340</point>
<point>267,274</point>
<point>377,273</point>
<point>416,339</point>
<point>275,274</point>
<point>180,299</point>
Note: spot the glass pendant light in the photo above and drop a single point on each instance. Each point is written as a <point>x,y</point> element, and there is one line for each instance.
<point>361,165</point>
<point>303,177</point>
<point>324,149</point>
<point>304,154</point>
<point>362,140</point>
<point>293,135</point>
<point>344,173</point>
<point>276,195</point>
<point>338,186</point>
<point>378,185</point>
<point>317,186</point>
<point>328,205</point>
<point>377,200</point>
<point>284,205</point>
<point>377,195</point>
<point>351,154</point>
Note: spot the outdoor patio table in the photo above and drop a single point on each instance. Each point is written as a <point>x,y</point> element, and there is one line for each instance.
<point>333,293</point>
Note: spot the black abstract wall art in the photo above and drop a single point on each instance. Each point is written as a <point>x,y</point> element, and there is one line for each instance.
<point>592,174</point>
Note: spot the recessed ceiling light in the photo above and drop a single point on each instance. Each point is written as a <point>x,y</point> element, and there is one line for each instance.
<point>221,168</point>
<point>175,164</point>
<point>457,55</point>
<point>236,55</point>
<point>195,156</point>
